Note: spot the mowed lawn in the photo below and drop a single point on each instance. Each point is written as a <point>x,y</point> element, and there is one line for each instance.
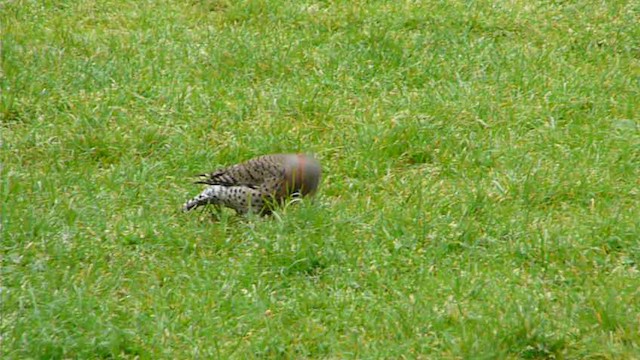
<point>480,195</point>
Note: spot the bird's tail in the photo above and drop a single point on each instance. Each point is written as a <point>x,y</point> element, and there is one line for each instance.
<point>210,195</point>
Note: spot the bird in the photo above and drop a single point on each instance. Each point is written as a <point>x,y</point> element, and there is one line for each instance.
<point>259,184</point>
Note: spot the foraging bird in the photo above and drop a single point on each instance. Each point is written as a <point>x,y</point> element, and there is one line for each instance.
<point>257,184</point>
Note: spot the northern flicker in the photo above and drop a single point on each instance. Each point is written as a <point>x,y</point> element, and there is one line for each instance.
<point>258,184</point>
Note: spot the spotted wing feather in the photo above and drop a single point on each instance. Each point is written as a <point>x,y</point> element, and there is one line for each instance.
<point>251,173</point>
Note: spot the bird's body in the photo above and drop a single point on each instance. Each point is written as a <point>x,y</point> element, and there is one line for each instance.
<point>257,184</point>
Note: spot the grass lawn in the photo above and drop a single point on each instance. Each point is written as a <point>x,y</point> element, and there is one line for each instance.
<point>480,196</point>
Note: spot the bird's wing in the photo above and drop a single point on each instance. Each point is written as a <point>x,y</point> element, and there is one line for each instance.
<point>228,177</point>
<point>272,186</point>
<point>252,173</point>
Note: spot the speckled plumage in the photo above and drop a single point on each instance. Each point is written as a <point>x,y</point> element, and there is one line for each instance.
<point>254,185</point>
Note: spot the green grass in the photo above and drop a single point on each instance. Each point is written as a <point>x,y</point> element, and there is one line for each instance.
<point>480,196</point>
